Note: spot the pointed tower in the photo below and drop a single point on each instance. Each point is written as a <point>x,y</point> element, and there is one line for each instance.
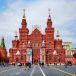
<point>49,33</point>
<point>49,39</point>
<point>3,51</point>
<point>2,43</point>
<point>23,33</point>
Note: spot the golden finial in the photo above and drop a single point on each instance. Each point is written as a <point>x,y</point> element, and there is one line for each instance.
<point>24,13</point>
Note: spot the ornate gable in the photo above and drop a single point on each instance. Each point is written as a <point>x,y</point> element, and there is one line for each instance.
<point>36,32</point>
<point>36,36</point>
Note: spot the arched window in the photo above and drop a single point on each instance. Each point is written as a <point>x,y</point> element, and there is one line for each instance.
<point>36,45</point>
<point>22,58</point>
<point>17,60</point>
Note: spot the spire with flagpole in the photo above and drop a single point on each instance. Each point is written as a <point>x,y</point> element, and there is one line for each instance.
<point>24,23</point>
<point>49,22</point>
<point>58,36</point>
<point>49,12</point>
<point>23,13</point>
<point>16,35</point>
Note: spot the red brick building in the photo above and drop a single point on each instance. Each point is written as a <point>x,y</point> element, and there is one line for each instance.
<point>3,52</point>
<point>74,59</point>
<point>36,47</point>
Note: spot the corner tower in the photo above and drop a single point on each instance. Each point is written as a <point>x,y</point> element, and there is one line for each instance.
<point>59,56</point>
<point>3,51</point>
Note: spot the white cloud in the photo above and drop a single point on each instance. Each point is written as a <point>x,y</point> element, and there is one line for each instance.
<point>62,12</point>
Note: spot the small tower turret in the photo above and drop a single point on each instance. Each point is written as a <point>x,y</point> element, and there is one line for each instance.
<point>3,51</point>
<point>16,37</point>
<point>57,35</point>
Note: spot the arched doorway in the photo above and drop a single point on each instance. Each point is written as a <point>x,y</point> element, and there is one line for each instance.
<point>17,60</point>
<point>29,55</point>
<point>36,62</point>
<point>36,56</point>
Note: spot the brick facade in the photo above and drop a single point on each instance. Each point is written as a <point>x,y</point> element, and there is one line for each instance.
<point>44,47</point>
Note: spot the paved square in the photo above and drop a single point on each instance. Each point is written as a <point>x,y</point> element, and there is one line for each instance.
<point>36,70</point>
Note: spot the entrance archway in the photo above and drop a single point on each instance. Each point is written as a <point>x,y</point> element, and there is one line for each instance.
<point>29,55</point>
<point>36,62</point>
<point>17,60</point>
<point>36,56</point>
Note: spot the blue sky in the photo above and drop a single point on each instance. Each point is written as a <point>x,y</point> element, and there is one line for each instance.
<point>63,15</point>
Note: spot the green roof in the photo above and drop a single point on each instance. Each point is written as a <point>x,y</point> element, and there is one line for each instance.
<point>2,43</point>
